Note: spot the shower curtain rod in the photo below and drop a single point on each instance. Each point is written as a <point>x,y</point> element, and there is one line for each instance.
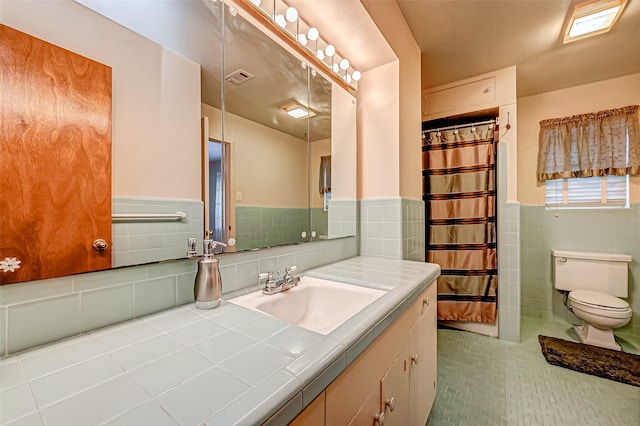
<point>459,126</point>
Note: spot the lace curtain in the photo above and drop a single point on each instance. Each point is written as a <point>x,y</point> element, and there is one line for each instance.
<point>593,144</point>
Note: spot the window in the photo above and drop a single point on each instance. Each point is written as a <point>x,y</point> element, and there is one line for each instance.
<point>598,191</point>
<point>327,197</point>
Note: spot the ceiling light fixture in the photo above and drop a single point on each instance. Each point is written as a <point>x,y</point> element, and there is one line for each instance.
<point>297,110</point>
<point>592,18</point>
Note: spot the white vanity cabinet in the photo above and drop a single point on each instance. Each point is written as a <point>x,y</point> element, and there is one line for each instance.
<point>393,381</point>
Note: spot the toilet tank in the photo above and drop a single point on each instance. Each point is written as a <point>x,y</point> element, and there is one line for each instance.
<point>603,272</point>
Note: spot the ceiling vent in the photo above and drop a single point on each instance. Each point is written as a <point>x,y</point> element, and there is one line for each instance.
<point>239,77</point>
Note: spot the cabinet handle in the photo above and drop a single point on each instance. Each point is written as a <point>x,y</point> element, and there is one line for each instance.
<point>391,403</point>
<point>414,359</point>
<point>426,301</point>
<point>379,419</point>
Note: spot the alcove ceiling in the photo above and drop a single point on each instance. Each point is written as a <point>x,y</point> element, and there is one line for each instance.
<point>462,39</point>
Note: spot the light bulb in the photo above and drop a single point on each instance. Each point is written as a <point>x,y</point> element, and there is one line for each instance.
<point>320,54</point>
<point>335,68</point>
<point>347,78</point>
<point>344,64</point>
<point>356,75</point>
<point>330,50</point>
<point>280,21</point>
<point>313,34</point>
<point>302,39</point>
<point>291,14</point>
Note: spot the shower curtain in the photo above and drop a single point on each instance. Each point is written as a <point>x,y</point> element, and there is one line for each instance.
<point>459,171</point>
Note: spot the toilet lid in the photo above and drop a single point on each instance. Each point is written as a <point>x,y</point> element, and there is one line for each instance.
<point>595,298</point>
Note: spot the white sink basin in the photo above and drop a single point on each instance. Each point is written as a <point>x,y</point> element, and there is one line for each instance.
<point>315,304</point>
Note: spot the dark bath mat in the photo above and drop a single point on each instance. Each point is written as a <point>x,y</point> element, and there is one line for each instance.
<point>601,362</point>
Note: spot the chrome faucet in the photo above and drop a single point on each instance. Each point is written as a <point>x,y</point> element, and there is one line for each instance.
<point>273,286</point>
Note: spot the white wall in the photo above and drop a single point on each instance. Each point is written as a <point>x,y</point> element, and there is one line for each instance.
<point>343,144</point>
<point>391,22</point>
<point>389,118</point>
<point>156,96</point>
<point>378,133</point>
<point>606,94</point>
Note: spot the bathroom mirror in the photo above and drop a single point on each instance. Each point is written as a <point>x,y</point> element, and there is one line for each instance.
<point>270,156</point>
<point>157,170</point>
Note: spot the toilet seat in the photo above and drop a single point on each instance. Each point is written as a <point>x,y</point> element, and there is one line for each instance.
<point>601,304</point>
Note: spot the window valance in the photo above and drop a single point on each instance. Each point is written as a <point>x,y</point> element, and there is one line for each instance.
<point>594,144</point>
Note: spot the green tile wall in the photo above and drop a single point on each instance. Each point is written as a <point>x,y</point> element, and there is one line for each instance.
<point>142,241</point>
<point>595,230</point>
<point>343,217</point>
<point>413,231</point>
<point>39,312</point>
<point>319,223</point>
<point>267,227</point>
<point>381,227</point>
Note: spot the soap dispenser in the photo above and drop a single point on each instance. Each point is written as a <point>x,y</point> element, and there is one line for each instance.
<point>208,286</point>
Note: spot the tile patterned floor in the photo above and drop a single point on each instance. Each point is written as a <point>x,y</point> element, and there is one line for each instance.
<point>486,381</point>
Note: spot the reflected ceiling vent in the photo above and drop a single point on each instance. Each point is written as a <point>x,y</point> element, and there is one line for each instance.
<point>239,77</point>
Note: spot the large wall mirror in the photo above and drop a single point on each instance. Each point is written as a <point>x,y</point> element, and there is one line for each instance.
<point>273,194</point>
<point>277,126</point>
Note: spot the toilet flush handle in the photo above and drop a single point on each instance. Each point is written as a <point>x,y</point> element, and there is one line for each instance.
<point>562,260</point>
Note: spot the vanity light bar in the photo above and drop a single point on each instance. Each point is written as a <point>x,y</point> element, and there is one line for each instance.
<point>307,39</point>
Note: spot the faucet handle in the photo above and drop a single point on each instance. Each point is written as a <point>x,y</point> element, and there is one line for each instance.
<point>270,283</point>
<point>291,269</point>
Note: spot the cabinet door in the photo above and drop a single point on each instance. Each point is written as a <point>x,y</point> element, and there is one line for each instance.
<point>313,415</point>
<point>422,351</point>
<point>368,412</point>
<point>55,159</point>
<point>395,392</point>
<point>346,395</point>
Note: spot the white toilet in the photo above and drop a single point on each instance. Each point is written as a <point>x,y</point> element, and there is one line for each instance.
<point>595,282</point>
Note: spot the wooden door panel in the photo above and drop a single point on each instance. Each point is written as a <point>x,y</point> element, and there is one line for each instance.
<point>55,159</point>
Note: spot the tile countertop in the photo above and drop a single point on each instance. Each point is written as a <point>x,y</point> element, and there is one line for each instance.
<point>185,366</point>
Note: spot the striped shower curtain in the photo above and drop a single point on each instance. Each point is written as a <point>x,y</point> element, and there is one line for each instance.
<point>460,195</point>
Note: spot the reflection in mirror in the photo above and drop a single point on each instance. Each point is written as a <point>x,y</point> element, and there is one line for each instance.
<point>269,202</point>
<point>320,157</point>
<point>216,191</point>
<point>152,46</point>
